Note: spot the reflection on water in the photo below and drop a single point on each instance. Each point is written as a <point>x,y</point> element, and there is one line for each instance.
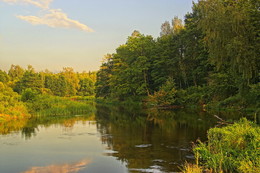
<point>151,140</point>
<point>12,125</point>
<point>64,168</point>
<point>113,138</point>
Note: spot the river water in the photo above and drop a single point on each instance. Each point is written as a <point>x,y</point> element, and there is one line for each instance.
<point>111,139</point>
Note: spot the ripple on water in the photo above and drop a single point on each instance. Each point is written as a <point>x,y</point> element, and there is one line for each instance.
<point>159,160</point>
<point>143,145</point>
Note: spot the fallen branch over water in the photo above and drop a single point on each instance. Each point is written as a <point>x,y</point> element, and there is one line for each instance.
<point>221,121</point>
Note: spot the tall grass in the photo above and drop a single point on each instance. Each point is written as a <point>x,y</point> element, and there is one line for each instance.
<point>57,106</point>
<point>193,168</point>
<point>234,148</point>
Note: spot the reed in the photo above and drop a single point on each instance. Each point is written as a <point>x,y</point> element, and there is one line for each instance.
<point>46,105</point>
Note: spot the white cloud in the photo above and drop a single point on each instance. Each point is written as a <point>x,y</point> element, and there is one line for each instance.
<point>53,18</point>
<point>56,19</point>
<point>44,4</point>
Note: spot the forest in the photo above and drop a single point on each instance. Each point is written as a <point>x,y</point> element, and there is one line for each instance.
<point>210,59</point>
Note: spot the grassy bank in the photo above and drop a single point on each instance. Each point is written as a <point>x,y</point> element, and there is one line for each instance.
<point>233,148</point>
<point>46,105</point>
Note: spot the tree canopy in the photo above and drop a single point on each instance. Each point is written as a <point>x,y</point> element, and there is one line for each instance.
<point>213,55</point>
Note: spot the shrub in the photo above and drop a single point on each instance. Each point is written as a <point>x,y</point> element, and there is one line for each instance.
<point>10,105</point>
<point>28,95</point>
<point>166,94</point>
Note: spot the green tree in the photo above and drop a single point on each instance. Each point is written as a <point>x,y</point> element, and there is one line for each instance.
<point>86,87</point>
<point>28,95</point>
<point>166,95</point>
<point>72,80</point>
<point>196,53</point>
<point>232,35</point>
<point>10,103</point>
<point>30,79</point>
<point>15,72</point>
<point>103,77</point>
<point>4,78</point>
<point>131,68</point>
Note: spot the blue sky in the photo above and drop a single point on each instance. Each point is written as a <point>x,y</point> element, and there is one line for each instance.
<point>51,34</point>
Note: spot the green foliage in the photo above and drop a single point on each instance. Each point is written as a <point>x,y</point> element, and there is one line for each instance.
<point>52,105</point>
<point>231,34</point>
<point>4,78</point>
<point>234,148</point>
<point>65,83</point>
<point>28,95</point>
<point>72,81</point>
<point>103,77</point>
<point>221,86</point>
<point>130,74</point>
<point>15,72</point>
<point>192,168</point>
<point>166,95</point>
<point>193,96</point>
<point>58,85</point>
<point>253,96</point>
<point>87,87</point>
<point>30,79</point>
<point>250,99</point>
<point>213,58</point>
<point>127,73</point>
<point>10,105</point>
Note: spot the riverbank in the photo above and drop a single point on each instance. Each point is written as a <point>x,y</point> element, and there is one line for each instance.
<point>124,114</point>
<point>232,148</point>
<point>214,108</point>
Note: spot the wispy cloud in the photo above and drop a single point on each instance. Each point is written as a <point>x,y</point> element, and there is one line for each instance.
<point>44,4</point>
<point>56,19</point>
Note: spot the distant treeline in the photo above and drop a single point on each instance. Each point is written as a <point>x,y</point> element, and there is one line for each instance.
<point>25,92</point>
<point>211,57</point>
<point>65,83</point>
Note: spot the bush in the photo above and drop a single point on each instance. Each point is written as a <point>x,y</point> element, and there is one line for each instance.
<point>10,105</point>
<point>233,102</point>
<point>253,97</point>
<point>166,94</point>
<point>234,148</point>
<point>28,95</point>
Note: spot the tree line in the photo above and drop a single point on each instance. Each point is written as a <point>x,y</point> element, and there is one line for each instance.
<point>213,56</point>
<point>65,83</point>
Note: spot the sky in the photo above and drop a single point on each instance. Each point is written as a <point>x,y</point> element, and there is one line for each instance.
<point>52,34</point>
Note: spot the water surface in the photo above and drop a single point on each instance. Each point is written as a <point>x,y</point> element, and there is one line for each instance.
<point>112,139</point>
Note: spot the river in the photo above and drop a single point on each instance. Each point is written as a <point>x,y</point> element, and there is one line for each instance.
<point>110,139</point>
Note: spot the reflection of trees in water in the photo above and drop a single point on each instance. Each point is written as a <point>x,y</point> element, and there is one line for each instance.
<point>12,125</point>
<point>32,125</point>
<point>28,131</point>
<point>145,139</point>
<point>142,138</point>
<point>28,127</point>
